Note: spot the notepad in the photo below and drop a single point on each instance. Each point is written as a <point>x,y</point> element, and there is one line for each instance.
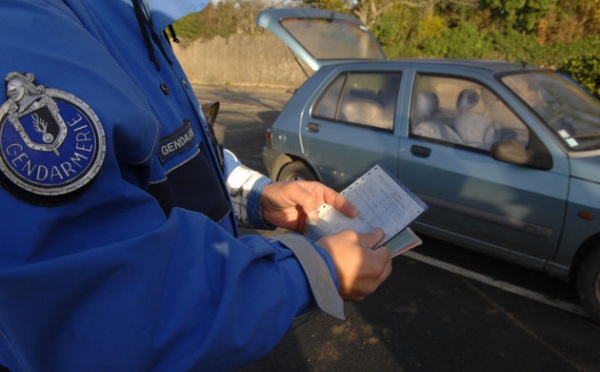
<point>382,201</point>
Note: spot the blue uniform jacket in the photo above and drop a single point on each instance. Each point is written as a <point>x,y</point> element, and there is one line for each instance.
<point>119,249</point>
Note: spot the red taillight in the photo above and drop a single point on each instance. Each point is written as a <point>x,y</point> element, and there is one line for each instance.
<point>268,138</point>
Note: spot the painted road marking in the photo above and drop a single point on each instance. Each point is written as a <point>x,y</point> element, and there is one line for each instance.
<point>562,305</point>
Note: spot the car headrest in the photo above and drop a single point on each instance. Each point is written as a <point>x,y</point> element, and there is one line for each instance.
<point>467,99</point>
<point>426,104</point>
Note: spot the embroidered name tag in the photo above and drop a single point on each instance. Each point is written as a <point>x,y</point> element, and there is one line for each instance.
<point>51,142</point>
<point>176,143</point>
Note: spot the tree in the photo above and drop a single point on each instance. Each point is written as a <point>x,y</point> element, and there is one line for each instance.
<point>519,15</point>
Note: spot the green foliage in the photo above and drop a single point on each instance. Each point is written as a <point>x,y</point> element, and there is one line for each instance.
<point>462,41</point>
<point>520,15</point>
<point>205,25</point>
<point>514,46</point>
<point>188,28</point>
<point>585,70</point>
<point>551,33</point>
<point>335,5</point>
<point>431,28</point>
<point>225,18</point>
<point>393,29</point>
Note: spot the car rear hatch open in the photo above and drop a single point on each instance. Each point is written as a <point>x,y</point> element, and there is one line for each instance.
<point>321,37</point>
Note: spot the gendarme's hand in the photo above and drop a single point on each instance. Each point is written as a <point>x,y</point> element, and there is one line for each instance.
<point>360,268</point>
<point>290,204</point>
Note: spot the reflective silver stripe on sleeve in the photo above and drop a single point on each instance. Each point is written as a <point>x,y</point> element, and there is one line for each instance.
<point>239,184</point>
<point>319,277</point>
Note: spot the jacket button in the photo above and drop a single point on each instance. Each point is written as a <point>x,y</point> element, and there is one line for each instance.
<point>164,88</point>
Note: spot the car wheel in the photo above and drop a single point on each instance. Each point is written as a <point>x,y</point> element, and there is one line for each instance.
<point>588,285</point>
<point>296,170</point>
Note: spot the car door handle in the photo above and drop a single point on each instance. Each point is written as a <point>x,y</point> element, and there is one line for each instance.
<point>313,127</point>
<point>420,151</point>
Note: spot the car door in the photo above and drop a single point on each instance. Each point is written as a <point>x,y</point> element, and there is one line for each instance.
<point>350,126</point>
<point>511,211</point>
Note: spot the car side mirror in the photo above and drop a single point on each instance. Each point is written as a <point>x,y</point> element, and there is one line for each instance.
<point>514,152</point>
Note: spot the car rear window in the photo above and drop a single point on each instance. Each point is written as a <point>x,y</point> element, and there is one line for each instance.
<point>327,39</point>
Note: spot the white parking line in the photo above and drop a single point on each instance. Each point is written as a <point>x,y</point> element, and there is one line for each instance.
<point>566,306</point>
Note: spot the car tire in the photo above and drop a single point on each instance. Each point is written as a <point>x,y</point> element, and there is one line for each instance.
<point>588,285</point>
<point>296,170</point>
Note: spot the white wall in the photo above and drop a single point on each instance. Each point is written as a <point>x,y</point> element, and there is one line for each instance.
<point>242,60</point>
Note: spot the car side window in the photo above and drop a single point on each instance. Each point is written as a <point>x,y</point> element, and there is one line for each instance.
<point>462,112</point>
<point>363,98</point>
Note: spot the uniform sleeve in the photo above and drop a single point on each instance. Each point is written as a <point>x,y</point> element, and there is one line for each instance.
<point>105,280</point>
<point>245,186</point>
<point>186,295</point>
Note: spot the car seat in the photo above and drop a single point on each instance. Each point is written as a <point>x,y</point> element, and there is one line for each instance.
<point>473,128</point>
<point>364,111</point>
<point>425,107</point>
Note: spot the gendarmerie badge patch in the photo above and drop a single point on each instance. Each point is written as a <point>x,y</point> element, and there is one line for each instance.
<point>51,142</point>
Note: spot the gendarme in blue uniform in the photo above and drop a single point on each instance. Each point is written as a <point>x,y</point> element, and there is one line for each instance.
<point>119,246</point>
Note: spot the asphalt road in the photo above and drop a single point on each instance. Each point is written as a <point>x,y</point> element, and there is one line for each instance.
<point>444,308</point>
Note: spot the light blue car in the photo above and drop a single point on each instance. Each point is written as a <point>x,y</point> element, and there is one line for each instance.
<point>507,156</point>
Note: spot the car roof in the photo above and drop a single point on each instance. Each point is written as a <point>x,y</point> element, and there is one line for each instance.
<point>441,64</point>
<point>489,65</point>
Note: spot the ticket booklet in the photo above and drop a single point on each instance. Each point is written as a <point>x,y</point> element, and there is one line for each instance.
<point>382,201</point>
